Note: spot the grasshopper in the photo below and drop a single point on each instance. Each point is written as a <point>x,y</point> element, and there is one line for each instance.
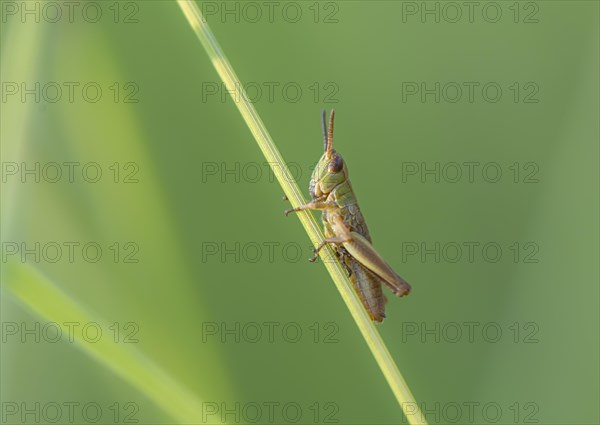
<point>347,230</point>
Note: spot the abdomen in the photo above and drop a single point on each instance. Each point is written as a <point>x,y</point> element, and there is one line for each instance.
<point>368,287</point>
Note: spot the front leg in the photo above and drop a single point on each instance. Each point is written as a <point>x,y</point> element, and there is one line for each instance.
<point>313,205</point>
<point>320,204</point>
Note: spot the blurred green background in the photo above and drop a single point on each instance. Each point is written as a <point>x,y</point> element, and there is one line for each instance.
<point>197,255</point>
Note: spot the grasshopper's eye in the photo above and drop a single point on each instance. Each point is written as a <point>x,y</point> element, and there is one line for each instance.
<point>336,164</point>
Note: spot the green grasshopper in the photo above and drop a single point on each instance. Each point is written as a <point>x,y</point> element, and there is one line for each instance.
<point>346,229</point>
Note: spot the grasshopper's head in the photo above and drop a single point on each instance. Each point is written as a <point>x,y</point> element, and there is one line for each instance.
<point>331,169</point>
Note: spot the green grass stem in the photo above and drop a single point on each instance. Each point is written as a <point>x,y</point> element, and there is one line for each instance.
<point>290,188</point>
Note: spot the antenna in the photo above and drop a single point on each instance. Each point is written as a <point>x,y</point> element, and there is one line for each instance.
<point>330,134</point>
<point>324,130</point>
